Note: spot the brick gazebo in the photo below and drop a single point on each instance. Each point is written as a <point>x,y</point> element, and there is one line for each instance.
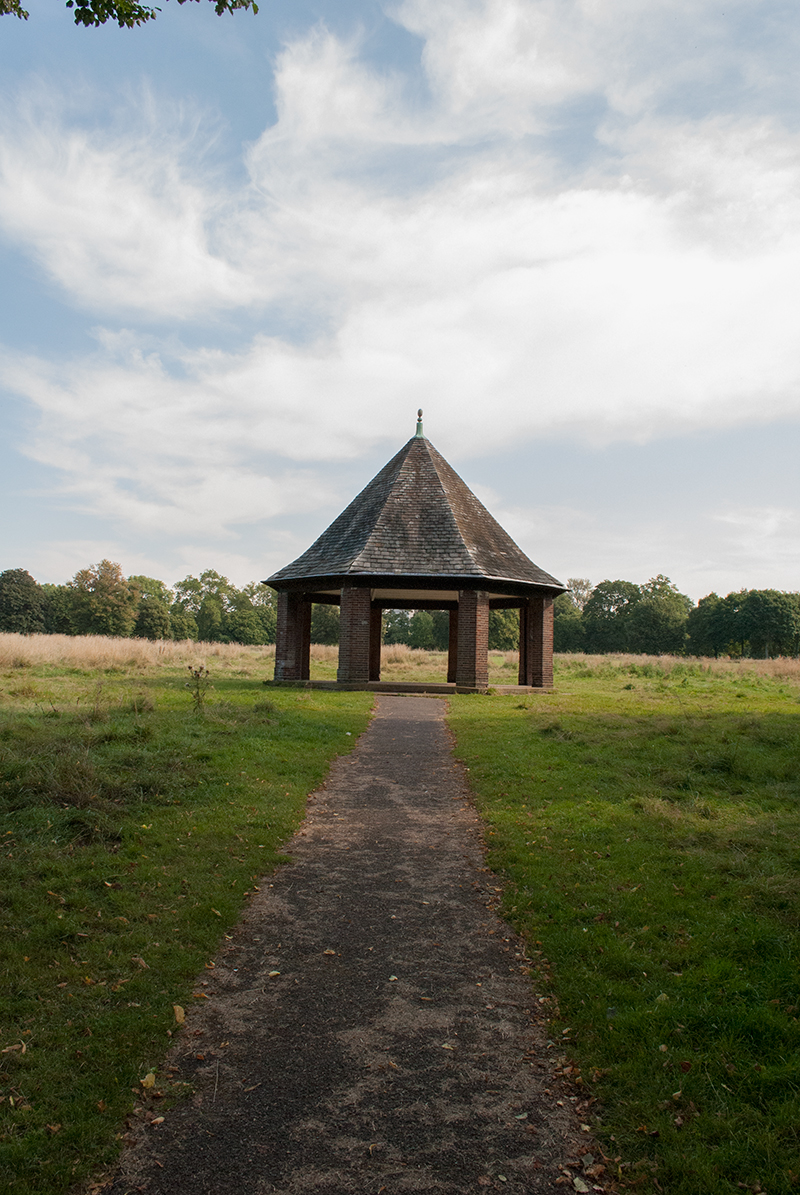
<point>415,538</point>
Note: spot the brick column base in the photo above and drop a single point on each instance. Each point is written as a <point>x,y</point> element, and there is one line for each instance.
<point>292,637</point>
<point>536,643</point>
<point>472,656</point>
<point>354,634</point>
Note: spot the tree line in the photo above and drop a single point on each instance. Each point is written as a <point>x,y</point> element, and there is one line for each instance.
<point>614,616</point>
<point>656,619</point>
<point>100,600</point>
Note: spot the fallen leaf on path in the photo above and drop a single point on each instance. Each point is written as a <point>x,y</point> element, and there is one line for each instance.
<point>148,1081</point>
<point>180,1015</point>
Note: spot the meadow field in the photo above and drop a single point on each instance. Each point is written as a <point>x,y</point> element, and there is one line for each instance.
<point>643,820</point>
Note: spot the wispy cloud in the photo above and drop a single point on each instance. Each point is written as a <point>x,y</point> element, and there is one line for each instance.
<point>441,252</point>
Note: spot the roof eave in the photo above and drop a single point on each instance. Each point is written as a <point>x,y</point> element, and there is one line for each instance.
<point>416,581</point>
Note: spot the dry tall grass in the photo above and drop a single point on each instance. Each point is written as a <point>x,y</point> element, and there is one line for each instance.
<point>90,652</point>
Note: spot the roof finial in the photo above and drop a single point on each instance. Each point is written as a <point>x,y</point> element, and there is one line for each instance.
<point>420,432</point>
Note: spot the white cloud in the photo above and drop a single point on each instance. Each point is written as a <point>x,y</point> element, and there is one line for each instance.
<point>115,218</point>
<point>651,291</point>
<point>163,455</point>
<point>509,65</point>
<point>722,551</point>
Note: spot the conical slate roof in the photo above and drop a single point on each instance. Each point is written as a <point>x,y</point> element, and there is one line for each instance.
<point>416,518</point>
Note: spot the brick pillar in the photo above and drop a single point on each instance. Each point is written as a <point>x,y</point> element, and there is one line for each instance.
<point>292,637</point>
<point>536,643</point>
<point>452,648</point>
<point>375,632</point>
<point>354,634</point>
<point>305,640</point>
<point>472,667</point>
<point>524,653</point>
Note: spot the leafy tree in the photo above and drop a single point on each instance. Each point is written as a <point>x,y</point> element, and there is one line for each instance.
<point>606,615</point>
<point>210,620</point>
<point>732,623</point>
<point>441,629</point>
<point>153,615</point>
<point>421,630</point>
<point>103,601</point>
<point>264,602</point>
<point>206,599</point>
<point>241,623</point>
<point>324,623</point>
<point>151,587</point>
<point>568,631</point>
<point>504,630</point>
<point>189,594</point>
<point>22,603</point>
<point>210,608</point>
<point>183,623</point>
<point>191,591</point>
<point>580,590</point>
<point>58,607</point>
<point>152,620</point>
<point>656,624</point>
<point>705,627</point>
<point>396,626</point>
<point>126,13</point>
<point>771,621</point>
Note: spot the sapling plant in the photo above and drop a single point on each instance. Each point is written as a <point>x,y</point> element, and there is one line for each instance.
<point>198,686</point>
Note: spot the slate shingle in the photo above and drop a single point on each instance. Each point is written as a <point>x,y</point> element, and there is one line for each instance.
<point>416,518</point>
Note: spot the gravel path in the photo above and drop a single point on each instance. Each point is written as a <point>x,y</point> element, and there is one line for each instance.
<point>369,1026</point>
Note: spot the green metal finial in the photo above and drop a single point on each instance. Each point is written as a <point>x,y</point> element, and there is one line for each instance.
<point>420,432</point>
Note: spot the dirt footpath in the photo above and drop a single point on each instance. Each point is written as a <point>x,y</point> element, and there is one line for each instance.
<point>369,1027</point>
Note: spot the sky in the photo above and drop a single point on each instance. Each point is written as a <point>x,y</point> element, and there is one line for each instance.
<point>237,253</point>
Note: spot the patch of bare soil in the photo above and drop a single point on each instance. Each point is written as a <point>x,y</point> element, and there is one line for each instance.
<point>370,1026</point>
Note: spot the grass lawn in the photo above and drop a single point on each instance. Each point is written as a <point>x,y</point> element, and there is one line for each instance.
<point>133,829</point>
<point>647,818</point>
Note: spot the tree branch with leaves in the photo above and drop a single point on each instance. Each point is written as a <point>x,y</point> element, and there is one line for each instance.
<point>126,13</point>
